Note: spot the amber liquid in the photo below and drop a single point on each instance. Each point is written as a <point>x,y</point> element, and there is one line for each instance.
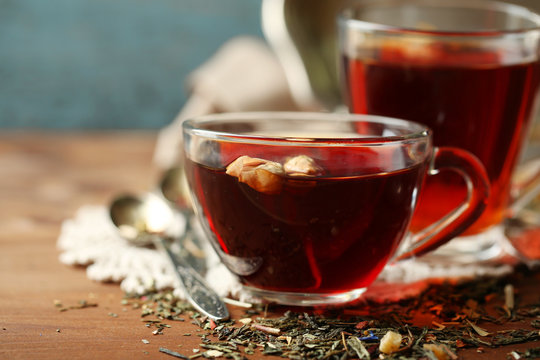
<point>485,109</point>
<point>318,235</point>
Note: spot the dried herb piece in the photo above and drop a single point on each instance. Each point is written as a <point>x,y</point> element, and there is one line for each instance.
<point>515,337</point>
<point>478,329</point>
<point>173,353</point>
<point>266,329</point>
<point>355,344</point>
<point>83,304</point>
<point>533,353</point>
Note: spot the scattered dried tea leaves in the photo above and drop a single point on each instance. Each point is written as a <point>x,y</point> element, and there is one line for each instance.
<point>83,304</point>
<point>157,307</point>
<point>458,313</point>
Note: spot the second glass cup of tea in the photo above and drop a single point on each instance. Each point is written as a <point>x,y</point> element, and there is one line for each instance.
<point>468,69</point>
<point>307,208</point>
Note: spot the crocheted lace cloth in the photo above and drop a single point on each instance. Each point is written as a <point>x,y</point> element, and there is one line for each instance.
<point>90,239</point>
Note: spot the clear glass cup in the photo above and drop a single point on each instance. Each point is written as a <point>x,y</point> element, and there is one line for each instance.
<point>469,70</point>
<point>307,208</point>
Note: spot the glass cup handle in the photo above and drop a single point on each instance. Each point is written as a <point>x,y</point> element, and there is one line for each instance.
<point>460,218</point>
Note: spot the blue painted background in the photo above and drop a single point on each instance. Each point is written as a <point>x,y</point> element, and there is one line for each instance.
<point>108,63</point>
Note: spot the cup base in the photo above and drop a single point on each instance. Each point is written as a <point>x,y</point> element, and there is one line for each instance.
<point>484,247</point>
<point>306,299</point>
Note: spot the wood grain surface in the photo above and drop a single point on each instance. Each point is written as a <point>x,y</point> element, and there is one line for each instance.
<point>45,178</point>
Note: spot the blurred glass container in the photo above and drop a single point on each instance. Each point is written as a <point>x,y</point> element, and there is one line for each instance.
<point>303,34</point>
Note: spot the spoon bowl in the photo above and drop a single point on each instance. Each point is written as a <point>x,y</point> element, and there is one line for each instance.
<point>174,188</point>
<point>137,219</point>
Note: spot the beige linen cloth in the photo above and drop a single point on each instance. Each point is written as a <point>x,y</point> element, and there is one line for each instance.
<point>244,75</point>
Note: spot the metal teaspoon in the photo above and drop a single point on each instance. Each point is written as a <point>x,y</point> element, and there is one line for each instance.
<point>142,221</point>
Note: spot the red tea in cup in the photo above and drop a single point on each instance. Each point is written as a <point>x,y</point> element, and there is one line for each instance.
<point>320,234</point>
<point>468,99</point>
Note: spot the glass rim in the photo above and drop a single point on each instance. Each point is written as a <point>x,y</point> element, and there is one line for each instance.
<point>418,132</point>
<point>346,17</point>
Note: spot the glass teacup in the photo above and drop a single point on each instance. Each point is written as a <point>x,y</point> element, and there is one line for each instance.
<point>308,208</point>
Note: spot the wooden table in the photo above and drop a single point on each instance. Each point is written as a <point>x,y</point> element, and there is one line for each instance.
<point>45,178</point>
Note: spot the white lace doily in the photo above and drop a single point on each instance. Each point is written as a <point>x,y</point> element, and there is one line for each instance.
<point>90,239</point>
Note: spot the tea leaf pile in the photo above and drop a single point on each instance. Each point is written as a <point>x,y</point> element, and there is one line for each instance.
<point>463,314</point>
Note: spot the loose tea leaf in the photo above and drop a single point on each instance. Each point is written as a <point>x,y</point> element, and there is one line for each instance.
<point>83,304</point>
<point>478,329</point>
<point>358,348</point>
<point>533,353</point>
<point>173,353</point>
<point>266,329</point>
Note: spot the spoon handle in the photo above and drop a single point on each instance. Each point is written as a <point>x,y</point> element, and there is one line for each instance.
<point>197,292</point>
